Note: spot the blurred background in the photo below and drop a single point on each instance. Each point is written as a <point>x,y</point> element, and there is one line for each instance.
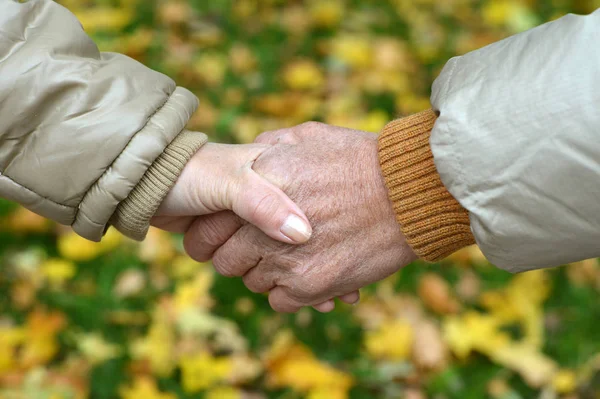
<point>141,321</point>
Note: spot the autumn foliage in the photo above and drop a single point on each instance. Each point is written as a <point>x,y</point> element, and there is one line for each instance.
<point>131,320</point>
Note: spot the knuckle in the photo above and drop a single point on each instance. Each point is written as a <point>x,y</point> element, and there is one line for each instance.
<point>286,136</point>
<point>223,266</point>
<point>303,293</point>
<point>255,239</point>
<point>307,291</point>
<point>254,284</point>
<point>213,233</point>
<point>265,137</point>
<point>311,125</point>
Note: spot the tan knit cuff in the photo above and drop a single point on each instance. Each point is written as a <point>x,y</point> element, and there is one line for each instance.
<point>132,217</point>
<point>433,222</point>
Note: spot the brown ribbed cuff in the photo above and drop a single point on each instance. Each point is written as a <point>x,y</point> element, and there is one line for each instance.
<point>433,222</point>
<point>132,217</point>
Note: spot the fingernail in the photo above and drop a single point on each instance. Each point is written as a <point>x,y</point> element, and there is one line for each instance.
<point>296,229</point>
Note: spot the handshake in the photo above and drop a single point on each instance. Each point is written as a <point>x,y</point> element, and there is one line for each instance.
<point>303,214</point>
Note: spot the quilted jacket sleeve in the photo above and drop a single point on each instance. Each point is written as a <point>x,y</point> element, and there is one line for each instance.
<point>81,130</point>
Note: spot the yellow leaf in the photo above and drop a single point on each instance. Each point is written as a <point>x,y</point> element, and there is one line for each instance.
<point>354,50</point>
<point>211,68</point>
<point>474,331</point>
<point>74,247</point>
<point>157,345</point>
<point>39,342</point>
<point>183,267</point>
<point>392,340</point>
<point>511,13</point>
<point>327,393</point>
<point>246,129</point>
<point>223,393</point>
<point>104,18</point>
<point>77,248</point>
<point>244,369</point>
<point>95,349</point>
<point>203,371</point>
<point>374,121</point>
<point>57,271</point>
<point>536,368</point>
<point>195,293</point>
<point>327,13</point>
<point>303,75</point>
<point>157,247</point>
<point>521,301</point>
<point>144,387</point>
<point>10,339</point>
<point>290,364</point>
<point>565,381</point>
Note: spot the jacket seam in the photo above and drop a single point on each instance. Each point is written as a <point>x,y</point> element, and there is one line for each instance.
<point>460,184</point>
<point>34,193</point>
<point>450,77</point>
<point>95,183</point>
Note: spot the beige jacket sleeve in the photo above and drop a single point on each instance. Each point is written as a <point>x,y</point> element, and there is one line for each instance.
<point>85,137</point>
<point>516,143</point>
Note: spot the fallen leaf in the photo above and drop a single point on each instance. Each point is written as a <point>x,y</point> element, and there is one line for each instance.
<point>436,295</point>
<point>429,351</point>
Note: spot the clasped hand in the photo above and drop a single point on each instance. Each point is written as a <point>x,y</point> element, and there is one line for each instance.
<point>248,209</point>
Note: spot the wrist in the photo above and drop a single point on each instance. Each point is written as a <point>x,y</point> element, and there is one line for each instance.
<point>433,222</point>
<point>132,217</point>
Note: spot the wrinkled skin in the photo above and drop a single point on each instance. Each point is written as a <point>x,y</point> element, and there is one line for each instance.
<point>333,174</point>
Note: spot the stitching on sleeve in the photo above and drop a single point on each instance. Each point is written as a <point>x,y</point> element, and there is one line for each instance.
<point>34,193</point>
<point>149,121</point>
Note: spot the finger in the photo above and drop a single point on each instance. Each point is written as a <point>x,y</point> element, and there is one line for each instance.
<point>264,205</point>
<point>281,302</point>
<point>259,280</point>
<point>325,307</point>
<point>240,253</point>
<point>207,233</point>
<point>173,225</point>
<point>351,299</point>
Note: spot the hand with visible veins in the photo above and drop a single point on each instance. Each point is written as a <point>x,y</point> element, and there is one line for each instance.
<point>333,174</point>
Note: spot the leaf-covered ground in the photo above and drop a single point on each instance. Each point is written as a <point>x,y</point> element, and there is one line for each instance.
<point>141,321</point>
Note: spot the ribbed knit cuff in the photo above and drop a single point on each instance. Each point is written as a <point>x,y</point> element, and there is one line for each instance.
<point>132,217</point>
<point>433,222</point>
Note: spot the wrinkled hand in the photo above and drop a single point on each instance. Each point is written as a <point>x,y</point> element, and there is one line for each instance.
<point>333,174</point>
<point>219,177</point>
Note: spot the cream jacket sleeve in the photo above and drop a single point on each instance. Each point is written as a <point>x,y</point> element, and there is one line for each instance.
<point>509,156</point>
<point>86,138</point>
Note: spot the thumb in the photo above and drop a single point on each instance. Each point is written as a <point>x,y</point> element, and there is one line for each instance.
<point>267,207</point>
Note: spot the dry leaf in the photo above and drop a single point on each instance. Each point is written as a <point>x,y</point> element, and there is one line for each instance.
<point>435,293</point>
<point>429,350</point>
<point>584,273</point>
<point>469,286</point>
<point>536,368</point>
